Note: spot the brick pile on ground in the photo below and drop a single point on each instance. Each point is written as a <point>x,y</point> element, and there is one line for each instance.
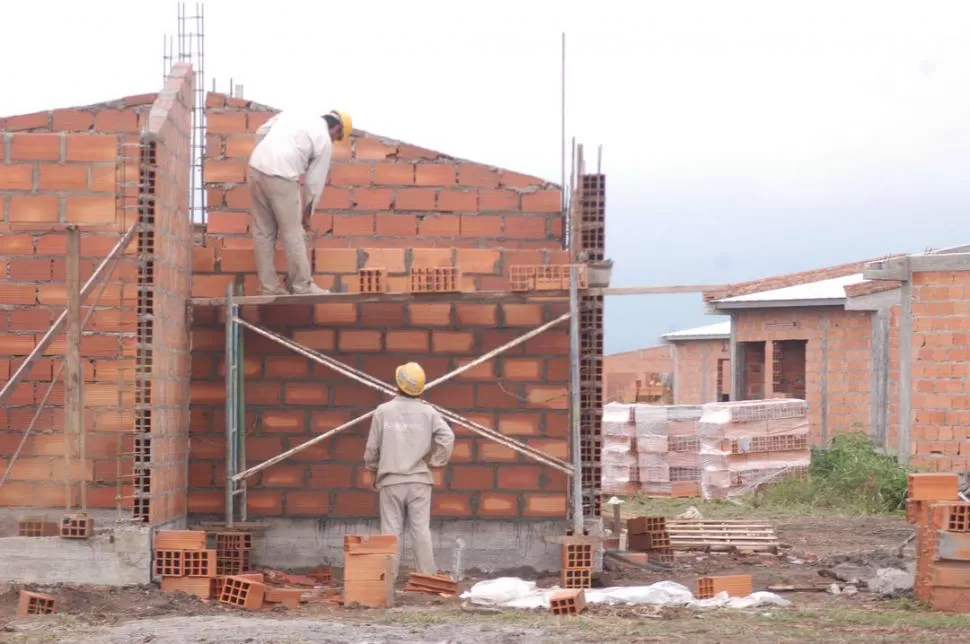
<point>369,570</point>
<point>942,524</point>
<point>649,535</point>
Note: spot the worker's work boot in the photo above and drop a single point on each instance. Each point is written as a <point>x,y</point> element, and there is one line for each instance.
<point>311,289</point>
<point>276,290</point>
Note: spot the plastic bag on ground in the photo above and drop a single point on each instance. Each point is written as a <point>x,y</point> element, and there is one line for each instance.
<point>512,592</point>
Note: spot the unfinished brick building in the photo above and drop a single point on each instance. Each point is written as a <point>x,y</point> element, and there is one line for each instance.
<point>154,363</point>
<point>622,370</point>
<point>701,363</point>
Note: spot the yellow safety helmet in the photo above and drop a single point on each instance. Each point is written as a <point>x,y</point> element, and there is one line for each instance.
<point>346,124</point>
<point>410,379</point>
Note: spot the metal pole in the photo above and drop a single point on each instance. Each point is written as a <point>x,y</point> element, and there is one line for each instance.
<point>231,407</point>
<point>313,441</point>
<point>386,389</point>
<point>72,362</point>
<point>241,411</point>
<point>55,328</point>
<point>574,414</point>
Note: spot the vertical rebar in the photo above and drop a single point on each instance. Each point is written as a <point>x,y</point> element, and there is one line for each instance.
<point>562,123</point>
<point>574,412</point>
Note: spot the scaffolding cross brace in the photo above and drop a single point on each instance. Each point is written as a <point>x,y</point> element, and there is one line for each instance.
<point>236,475</point>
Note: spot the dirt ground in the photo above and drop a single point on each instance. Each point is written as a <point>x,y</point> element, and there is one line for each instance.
<point>817,544</point>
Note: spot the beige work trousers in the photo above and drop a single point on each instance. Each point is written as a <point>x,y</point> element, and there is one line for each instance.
<point>414,501</point>
<point>277,211</point>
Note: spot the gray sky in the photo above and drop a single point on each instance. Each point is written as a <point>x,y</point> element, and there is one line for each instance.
<point>741,139</point>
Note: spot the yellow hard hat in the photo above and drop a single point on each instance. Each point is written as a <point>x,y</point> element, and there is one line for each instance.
<point>410,378</point>
<point>346,124</point>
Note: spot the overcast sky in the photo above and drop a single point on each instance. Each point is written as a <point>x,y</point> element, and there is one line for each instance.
<point>741,138</point>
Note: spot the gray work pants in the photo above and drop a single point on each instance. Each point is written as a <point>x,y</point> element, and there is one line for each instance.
<point>278,211</point>
<point>414,501</point>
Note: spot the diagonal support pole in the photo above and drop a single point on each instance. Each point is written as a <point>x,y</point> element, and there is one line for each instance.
<point>317,439</point>
<point>55,328</point>
<point>388,390</point>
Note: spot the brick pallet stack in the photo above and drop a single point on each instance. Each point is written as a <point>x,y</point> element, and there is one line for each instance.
<point>619,450</point>
<point>369,570</point>
<point>942,541</point>
<point>663,433</point>
<point>743,444</point>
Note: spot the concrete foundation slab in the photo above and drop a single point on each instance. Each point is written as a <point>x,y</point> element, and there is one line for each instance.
<point>119,554</point>
<point>490,546</point>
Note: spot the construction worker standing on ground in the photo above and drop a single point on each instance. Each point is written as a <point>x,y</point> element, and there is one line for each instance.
<point>288,146</point>
<point>407,437</point>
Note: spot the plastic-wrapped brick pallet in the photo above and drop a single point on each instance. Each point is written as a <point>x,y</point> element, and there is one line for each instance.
<point>619,450</point>
<point>745,444</point>
<point>665,436</point>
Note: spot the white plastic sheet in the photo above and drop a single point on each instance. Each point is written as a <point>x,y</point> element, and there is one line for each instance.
<point>512,592</point>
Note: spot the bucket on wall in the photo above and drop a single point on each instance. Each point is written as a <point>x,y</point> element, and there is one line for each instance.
<point>598,273</point>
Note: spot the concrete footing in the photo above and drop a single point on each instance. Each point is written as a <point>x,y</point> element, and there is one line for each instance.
<point>490,546</point>
<point>119,553</point>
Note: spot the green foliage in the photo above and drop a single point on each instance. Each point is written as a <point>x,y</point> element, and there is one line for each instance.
<point>849,477</point>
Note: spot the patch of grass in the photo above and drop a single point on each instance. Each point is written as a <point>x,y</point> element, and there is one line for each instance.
<point>849,478</point>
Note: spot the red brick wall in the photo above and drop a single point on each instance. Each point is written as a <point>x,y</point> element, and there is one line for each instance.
<point>392,205</point>
<point>941,351</point>
<point>697,364</point>
<point>848,360</point>
<point>383,193</point>
<point>85,165</point>
<point>621,370</point>
<point>165,287</point>
<point>64,166</point>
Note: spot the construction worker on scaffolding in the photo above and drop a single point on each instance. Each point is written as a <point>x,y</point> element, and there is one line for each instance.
<point>407,438</point>
<point>289,146</point>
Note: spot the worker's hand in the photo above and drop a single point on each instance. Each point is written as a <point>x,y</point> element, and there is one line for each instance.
<point>307,214</point>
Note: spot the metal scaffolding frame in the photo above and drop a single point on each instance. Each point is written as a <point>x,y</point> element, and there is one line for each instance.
<point>236,471</point>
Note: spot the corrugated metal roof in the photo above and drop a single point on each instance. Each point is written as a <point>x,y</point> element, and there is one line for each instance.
<point>722,329</point>
<point>830,289</point>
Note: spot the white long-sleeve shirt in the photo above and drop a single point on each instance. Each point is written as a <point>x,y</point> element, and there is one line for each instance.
<point>406,437</point>
<point>291,144</point>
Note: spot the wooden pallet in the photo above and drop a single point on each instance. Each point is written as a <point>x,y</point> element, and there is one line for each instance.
<point>715,535</point>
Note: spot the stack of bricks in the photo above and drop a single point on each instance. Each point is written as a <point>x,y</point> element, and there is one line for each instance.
<point>369,572</point>
<point>620,472</point>
<point>104,167</point>
<point>662,434</point>
<point>715,450</point>
<point>746,443</point>
<point>942,524</point>
<point>233,552</point>
<point>577,563</point>
<point>649,535</point>
<point>184,563</point>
